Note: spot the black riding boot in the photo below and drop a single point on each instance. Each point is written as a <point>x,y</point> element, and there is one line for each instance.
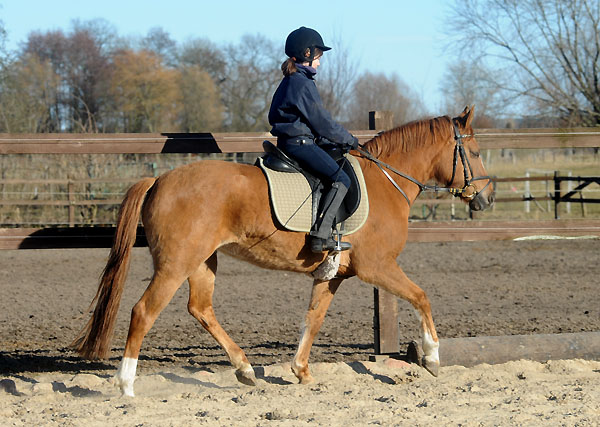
<point>321,237</point>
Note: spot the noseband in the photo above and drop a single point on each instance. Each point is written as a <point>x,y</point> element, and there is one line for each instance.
<point>468,190</point>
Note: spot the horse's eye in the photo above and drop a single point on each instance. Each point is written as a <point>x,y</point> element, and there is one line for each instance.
<point>475,154</point>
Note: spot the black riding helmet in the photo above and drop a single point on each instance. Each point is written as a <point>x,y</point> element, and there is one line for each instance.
<point>301,39</point>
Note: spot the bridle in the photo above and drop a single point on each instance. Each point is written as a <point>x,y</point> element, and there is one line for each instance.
<point>459,150</point>
<point>468,190</point>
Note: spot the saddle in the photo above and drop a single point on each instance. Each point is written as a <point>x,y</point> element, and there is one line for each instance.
<point>278,166</point>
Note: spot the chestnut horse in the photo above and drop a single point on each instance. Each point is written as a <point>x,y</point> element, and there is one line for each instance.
<point>195,210</point>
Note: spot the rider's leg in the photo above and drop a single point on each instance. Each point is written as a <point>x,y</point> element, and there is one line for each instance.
<point>319,162</point>
<point>322,240</point>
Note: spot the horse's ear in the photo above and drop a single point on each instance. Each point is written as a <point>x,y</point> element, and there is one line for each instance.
<point>466,117</point>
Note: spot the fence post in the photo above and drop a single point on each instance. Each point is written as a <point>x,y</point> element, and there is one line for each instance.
<point>381,120</point>
<point>527,194</point>
<point>385,319</point>
<point>569,188</point>
<point>581,200</point>
<point>71,193</point>
<point>556,194</point>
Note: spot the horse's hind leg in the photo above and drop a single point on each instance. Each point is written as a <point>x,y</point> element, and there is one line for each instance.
<point>200,306</point>
<point>320,299</point>
<point>156,297</point>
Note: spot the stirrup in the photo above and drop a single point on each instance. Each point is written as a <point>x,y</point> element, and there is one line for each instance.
<point>318,245</point>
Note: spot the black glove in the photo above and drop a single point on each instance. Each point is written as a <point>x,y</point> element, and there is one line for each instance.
<point>354,143</point>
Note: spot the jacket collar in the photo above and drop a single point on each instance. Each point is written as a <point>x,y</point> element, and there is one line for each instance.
<point>306,70</point>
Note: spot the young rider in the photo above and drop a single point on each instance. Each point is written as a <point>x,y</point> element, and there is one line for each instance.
<point>303,126</point>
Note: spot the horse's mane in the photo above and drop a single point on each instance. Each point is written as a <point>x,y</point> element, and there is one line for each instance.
<point>409,136</point>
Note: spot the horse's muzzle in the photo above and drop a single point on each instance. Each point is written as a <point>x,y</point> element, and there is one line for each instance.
<point>480,202</point>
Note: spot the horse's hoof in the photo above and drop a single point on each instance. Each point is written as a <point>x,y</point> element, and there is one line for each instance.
<point>307,379</point>
<point>125,387</point>
<point>432,366</point>
<point>246,376</point>
<point>302,373</point>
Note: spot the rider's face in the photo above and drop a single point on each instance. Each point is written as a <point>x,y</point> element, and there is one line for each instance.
<point>316,62</point>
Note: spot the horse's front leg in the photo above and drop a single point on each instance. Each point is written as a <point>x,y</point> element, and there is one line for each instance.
<point>386,274</point>
<point>320,299</point>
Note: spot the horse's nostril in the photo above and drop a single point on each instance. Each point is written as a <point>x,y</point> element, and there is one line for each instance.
<point>492,198</point>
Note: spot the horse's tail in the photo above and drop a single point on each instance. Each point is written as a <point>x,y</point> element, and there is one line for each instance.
<point>93,342</point>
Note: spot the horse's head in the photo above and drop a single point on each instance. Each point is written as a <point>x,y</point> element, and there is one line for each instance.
<point>461,166</point>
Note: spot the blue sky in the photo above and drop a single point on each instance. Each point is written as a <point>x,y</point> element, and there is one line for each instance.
<point>398,36</point>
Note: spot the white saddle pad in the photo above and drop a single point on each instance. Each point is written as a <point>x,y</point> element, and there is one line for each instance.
<point>291,199</point>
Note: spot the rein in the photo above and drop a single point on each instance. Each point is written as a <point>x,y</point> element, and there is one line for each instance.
<point>459,150</point>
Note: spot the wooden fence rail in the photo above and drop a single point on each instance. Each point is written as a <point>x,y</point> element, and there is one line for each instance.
<point>252,141</point>
<point>418,231</point>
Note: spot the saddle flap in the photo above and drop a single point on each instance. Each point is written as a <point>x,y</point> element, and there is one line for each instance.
<point>352,199</point>
<point>277,160</point>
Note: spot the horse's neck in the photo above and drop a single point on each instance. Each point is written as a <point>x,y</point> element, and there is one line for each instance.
<point>416,163</point>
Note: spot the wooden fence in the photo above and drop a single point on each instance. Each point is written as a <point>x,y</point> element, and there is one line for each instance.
<point>386,324</point>
<point>77,143</point>
<point>69,198</point>
<point>246,142</point>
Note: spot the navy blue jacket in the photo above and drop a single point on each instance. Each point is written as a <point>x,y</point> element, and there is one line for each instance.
<point>297,110</point>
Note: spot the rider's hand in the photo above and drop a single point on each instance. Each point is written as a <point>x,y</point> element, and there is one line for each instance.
<point>354,144</point>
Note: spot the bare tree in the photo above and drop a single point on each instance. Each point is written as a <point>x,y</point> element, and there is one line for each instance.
<point>204,54</point>
<point>474,84</point>
<point>336,78</point>
<point>2,42</point>
<point>146,93</point>
<point>376,91</point>
<point>28,89</point>
<point>50,48</point>
<point>203,67</point>
<point>252,72</point>
<point>201,110</point>
<point>84,69</point>
<point>548,51</point>
<point>103,32</point>
<point>88,72</point>
<point>160,43</point>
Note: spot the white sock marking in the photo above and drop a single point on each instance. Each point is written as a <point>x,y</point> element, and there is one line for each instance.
<point>125,375</point>
<point>431,347</point>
